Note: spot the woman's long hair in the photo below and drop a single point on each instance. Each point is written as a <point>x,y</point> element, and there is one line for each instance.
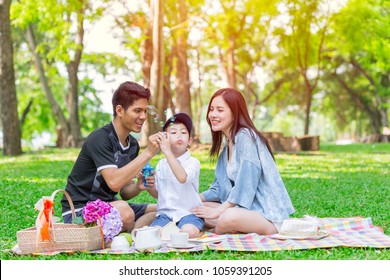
<point>237,105</point>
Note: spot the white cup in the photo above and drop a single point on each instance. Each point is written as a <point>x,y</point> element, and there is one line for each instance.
<point>179,239</point>
<point>120,243</point>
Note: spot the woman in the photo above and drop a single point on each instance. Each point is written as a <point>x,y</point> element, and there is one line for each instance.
<point>247,194</point>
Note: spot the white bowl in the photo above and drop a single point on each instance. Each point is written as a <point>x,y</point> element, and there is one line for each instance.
<point>120,243</point>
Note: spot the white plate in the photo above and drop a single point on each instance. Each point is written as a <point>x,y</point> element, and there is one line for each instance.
<point>320,235</point>
<point>207,239</point>
<point>188,246</point>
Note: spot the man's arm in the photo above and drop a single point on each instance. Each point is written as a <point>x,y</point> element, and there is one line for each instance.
<point>131,190</point>
<point>117,178</point>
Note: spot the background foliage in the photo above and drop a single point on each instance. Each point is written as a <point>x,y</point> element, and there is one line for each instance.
<point>304,67</point>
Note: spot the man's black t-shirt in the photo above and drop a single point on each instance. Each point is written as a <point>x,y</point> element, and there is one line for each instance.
<point>102,149</point>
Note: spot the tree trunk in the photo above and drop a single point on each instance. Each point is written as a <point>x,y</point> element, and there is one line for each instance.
<point>55,107</point>
<point>8,100</point>
<point>198,108</point>
<point>383,119</point>
<point>308,98</point>
<point>75,139</point>
<point>168,66</point>
<point>182,81</point>
<point>146,50</point>
<point>303,54</point>
<point>25,112</point>
<point>230,71</point>
<point>373,116</point>
<point>156,73</point>
<point>147,54</point>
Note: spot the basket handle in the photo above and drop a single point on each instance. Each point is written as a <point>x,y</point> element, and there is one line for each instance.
<point>73,211</point>
<point>67,197</point>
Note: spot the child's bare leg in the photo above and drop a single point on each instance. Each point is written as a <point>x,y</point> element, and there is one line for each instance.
<point>192,230</point>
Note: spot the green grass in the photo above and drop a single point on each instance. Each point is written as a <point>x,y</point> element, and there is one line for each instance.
<point>337,181</point>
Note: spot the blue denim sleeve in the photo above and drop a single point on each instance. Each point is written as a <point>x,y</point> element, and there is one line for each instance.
<point>247,171</point>
<point>258,184</point>
<point>246,185</point>
<point>212,194</point>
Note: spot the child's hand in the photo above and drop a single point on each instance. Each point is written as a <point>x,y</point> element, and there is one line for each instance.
<point>165,147</point>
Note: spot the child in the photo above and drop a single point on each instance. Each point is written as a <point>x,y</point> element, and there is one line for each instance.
<point>177,178</point>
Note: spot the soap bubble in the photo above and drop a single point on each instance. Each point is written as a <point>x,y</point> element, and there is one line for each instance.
<point>151,110</point>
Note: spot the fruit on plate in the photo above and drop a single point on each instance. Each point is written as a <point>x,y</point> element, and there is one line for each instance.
<point>128,236</point>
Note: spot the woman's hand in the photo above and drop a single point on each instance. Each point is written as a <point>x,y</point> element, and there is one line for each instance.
<point>207,212</point>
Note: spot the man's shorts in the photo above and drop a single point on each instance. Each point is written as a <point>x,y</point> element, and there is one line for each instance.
<point>139,210</point>
<point>163,219</point>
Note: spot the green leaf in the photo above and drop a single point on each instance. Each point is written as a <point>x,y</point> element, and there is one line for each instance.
<point>78,220</point>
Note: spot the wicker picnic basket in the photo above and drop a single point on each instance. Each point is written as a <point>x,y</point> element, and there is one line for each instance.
<point>63,237</point>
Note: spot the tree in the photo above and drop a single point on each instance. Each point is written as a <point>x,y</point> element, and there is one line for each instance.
<point>182,81</point>
<point>302,44</point>
<point>157,67</point>
<point>359,66</point>
<point>8,101</point>
<point>55,34</point>
<point>367,50</point>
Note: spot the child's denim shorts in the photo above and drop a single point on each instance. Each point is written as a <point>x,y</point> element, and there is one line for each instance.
<point>163,219</point>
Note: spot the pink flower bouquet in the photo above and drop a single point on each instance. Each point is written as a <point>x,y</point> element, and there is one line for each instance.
<point>104,214</point>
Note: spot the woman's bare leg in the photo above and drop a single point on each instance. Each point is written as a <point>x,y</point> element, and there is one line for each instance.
<point>238,220</point>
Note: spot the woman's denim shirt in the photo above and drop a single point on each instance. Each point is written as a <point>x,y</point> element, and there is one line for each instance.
<point>257,183</point>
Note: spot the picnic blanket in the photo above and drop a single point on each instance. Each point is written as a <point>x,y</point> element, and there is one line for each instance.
<point>341,232</point>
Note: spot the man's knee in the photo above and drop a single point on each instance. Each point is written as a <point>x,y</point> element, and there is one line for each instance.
<point>145,220</point>
<point>151,208</point>
<point>127,214</point>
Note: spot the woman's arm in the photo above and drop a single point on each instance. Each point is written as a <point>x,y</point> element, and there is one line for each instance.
<point>211,212</point>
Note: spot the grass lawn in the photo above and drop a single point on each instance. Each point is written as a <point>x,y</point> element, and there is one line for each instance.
<point>337,181</point>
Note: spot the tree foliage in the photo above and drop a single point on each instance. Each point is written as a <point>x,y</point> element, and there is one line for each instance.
<point>296,62</point>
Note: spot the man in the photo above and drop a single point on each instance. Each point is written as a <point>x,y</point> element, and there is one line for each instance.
<point>109,160</point>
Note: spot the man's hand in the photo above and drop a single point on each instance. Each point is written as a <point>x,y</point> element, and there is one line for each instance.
<point>153,146</point>
<point>150,181</point>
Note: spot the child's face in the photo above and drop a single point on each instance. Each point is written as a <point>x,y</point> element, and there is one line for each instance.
<point>179,138</point>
